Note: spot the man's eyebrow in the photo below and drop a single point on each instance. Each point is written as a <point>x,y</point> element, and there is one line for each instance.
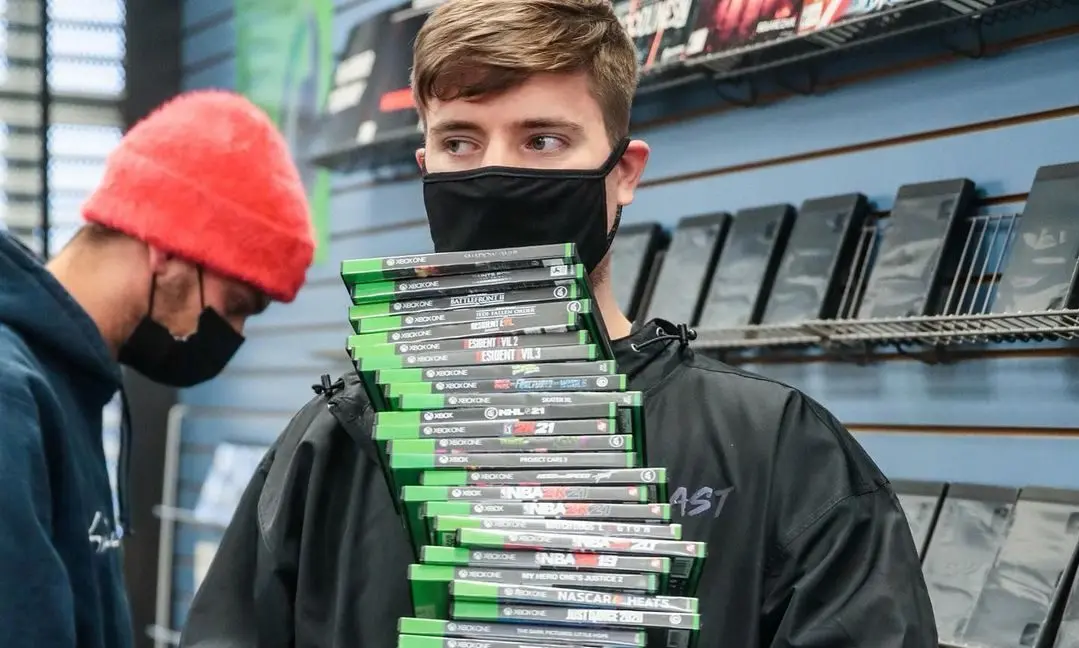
<point>542,123</point>
<point>454,126</point>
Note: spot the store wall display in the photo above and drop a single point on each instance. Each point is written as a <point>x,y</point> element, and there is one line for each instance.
<point>916,255</point>
<point>1040,272</point>
<point>232,467</point>
<point>1068,632</point>
<point>1030,574</point>
<point>689,262</point>
<point>972,527</point>
<point>817,262</point>
<point>747,266</point>
<point>632,254</point>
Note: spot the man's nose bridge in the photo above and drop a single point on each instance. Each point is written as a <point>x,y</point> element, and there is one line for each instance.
<point>500,152</point>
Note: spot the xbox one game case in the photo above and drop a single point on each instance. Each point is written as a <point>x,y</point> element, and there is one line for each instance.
<point>687,558</point>
<point>460,556</point>
<point>577,352</point>
<point>492,372</point>
<point>626,513</point>
<point>473,321</point>
<point>446,526</point>
<point>464,284</point>
<point>516,341</point>
<point>418,266</point>
<point>587,443</point>
<point>488,429</point>
<point>430,584</point>
<point>656,477</point>
<point>559,291</point>
<point>442,630</point>
<point>480,590</point>
<point>600,383</point>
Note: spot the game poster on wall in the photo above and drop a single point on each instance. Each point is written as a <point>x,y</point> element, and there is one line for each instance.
<point>284,64</point>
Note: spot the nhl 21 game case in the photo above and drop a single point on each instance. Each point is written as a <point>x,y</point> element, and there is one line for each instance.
<point>747,266</point>
<point>971,528</point>
<point>918,252</point>
<point>687,268</point>
<point>370,100</point>
<point>515,453</point>
<point>1040,272</point>
<point>816,264</point>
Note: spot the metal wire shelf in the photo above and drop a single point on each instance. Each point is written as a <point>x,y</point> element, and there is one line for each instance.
<point>965,315</point>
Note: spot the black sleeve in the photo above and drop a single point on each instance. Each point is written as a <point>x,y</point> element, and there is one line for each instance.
<point>845,572</point>
<point>242,585</point>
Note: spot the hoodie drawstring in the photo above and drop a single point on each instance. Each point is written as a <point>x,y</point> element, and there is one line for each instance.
<point>682,332</point>
<point>123,469</point>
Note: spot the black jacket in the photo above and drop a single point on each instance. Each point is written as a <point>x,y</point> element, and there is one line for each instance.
<point>807,544</point>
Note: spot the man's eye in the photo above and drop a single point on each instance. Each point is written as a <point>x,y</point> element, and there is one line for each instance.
<point>458,147</point>
<point>545,143</point>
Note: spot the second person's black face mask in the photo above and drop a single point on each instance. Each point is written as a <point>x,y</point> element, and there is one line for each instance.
<point>499,207</point>
<point>160,356</point>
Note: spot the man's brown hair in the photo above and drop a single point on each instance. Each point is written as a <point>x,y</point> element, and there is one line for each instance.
<point>472,48</point>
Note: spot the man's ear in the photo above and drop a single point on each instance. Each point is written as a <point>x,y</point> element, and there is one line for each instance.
<point>158,260</point>
<point>421,156</point>
<point>630,168</point>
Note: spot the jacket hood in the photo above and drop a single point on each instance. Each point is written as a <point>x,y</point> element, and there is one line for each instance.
<point>654,351</point>
<point>34,304</point>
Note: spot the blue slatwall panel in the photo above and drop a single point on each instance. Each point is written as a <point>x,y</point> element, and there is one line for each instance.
<point>286,349</point>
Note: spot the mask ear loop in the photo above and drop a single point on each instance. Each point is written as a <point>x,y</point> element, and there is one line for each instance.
<point>153,291</point>
<point>202,294</point>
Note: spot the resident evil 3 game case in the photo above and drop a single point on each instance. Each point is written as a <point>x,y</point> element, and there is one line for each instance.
<point>514,450</point>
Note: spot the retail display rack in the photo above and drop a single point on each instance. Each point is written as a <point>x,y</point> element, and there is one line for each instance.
<point>963,26</point>
<point>965,317</point>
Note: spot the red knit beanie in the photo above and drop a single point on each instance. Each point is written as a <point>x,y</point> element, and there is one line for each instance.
<point>208,177</point>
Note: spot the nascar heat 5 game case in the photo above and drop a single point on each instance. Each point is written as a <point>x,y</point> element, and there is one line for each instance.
<point>515,452</point>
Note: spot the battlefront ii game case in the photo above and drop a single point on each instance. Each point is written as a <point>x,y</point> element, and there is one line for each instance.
<point>747,266</point>
<point>1040,271</point>
<point>500,415</point>
<point>687,268</point>
<point>815,266</point>
<point>917,254</point>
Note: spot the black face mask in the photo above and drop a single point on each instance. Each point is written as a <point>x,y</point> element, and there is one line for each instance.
<point>498,207</point>
<point>155,353</point>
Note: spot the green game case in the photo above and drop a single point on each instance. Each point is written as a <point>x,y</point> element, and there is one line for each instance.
<point>421,529</point>
<point>506,635</point>
<point>656,513</point>
<point>600,383</point>
<point>652,477</point>
<point>430,584</point>
<point>476,414</point>
<point>495,592</point>
<point>492,372</point>
<point>541,316</point>
<point>459,556</point>
<point>687,558</point>
<point>417,266</point>
<point>578,352</point>
<point>560,290</point>
<point>446,526</point>
<point>568,338</point>
<point>589,443</point>
<point>465,284</point>
<point>667,629</point>
<point>487,429</point>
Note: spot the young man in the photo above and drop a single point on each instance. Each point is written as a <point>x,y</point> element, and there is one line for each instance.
<point>526,105</point>
<point>199,222</point>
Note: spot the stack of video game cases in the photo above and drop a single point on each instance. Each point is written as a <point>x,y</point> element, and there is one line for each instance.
<point>515,453</point>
